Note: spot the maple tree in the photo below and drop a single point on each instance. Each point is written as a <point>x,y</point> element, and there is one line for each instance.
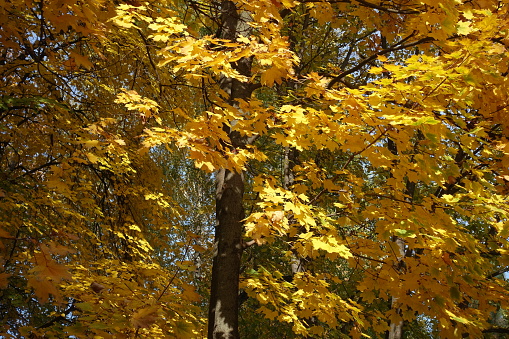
<point>84,213</point>
<point>359,151</point>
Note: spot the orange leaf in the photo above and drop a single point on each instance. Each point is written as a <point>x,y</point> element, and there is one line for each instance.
<point>49,268</point>
<point>446,258</point>
<point>43,288</point>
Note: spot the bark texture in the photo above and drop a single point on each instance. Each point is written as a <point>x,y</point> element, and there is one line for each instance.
<point>223,308</point>
<point>396,328</point>
<point>224,293</point>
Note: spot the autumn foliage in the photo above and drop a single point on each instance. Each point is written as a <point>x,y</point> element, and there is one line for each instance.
<point>368,142</point>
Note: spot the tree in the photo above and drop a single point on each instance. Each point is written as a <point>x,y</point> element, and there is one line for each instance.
<point>92,242</point>
<point>362,141</point>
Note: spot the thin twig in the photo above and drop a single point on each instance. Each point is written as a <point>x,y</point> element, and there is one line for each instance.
<point>396,47</point>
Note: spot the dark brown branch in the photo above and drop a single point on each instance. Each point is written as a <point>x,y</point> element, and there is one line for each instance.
<point>385,9</point>
<point>368,258</point>
<point>397,47</point>
<point>499,272</point>
<point>315,198</point>
<point>149,55</point>
<point>352,46</point>
<point>496,330</point>
<point>32,171</point>
<point>61,317</point>
<point>370,5</point>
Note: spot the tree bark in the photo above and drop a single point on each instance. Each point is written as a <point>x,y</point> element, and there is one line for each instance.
<point>224,292</point>
<point>396,328</point>
<point>223,308</point>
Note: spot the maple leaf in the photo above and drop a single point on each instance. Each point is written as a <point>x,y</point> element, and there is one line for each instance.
<point>43,288</point>
<point>145,317</point>
<point>49,268</point>
<point>331,245</point>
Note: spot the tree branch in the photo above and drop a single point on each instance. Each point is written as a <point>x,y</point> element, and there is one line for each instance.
<point>499,272</point>
<point>496,330</point>
<point>61,317</point>
<point>385,9</point>
<point>397,47</point>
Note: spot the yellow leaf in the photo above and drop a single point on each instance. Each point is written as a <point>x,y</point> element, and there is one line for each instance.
<point>145,317</point>
<point>330,245</point>
<point>92,158</point>
<point>376,70</point>
<point>272,75</point>
<point>464,28</point>
<point>135,228</point>
<point>91,143</point>
<point>190,293</point>
<point>269,314</point>
<point>277,216</point>
<point>81,60</point>
<point>456,318</point>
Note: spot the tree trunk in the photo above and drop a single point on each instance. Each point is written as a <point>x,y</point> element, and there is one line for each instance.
<point>291,158</point>
<point>224,292</point>
<point>396,328</point>
<point>223,308</point>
